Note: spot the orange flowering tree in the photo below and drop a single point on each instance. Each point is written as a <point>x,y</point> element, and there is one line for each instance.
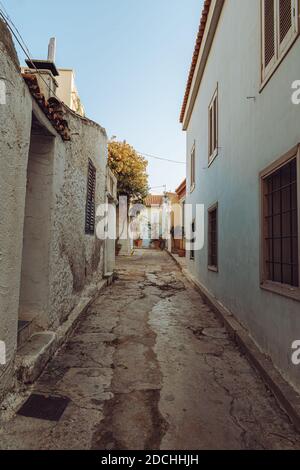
<point>130,169</point>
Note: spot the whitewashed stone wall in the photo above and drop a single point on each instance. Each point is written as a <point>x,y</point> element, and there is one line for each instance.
<point>15,124</point>
<point>70,258</point>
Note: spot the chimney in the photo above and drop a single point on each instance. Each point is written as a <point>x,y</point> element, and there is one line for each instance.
<point>45,70</point>
<point>52,50</point>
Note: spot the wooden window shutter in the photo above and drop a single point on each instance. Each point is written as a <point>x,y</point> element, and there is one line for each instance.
<point>285,18</point>
<point>90,213</point>
<point>210,130</point>
<point>213,128</point>
<point>215,124</point>
<point>269,34</point>
<point>192,176</point>
<point>287,23</point>
<point>193,169</point>
<point>213,237</point>
<point>194,158</point>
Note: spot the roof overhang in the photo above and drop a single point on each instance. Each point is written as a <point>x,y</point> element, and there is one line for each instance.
<point>209,22</point>
<point>43,65</point>
<point>181,188</point>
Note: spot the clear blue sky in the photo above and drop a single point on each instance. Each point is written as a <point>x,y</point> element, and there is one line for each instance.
<point>131,59</point>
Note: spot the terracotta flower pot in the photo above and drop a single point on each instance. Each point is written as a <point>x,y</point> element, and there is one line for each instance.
<point>181,253</point>
<point>156,244</point>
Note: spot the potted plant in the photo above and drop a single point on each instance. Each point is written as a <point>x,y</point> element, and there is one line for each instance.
<point>181,252</point>
<point>118,247</point>
<point>138,243</point>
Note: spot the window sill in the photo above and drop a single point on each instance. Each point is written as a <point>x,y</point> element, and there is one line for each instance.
<point>214,269</point>
<point>282,289</point>
<point>212,158</point>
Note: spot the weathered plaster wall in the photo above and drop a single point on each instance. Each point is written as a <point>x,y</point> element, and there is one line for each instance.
<point>15,123</point>
<point>59,260</point>
<point>75,257</point>
<point>252,134</point>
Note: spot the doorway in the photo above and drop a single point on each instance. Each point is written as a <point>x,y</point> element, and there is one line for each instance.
<point>34,289</point>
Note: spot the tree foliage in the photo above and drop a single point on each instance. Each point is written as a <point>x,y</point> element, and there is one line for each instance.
<point>130,169</point>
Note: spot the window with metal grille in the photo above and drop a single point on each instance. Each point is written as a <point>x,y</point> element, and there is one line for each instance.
<point>193,239</point>
<point>281,255</point>
<point>285,18</point>
<point>90,211</point>
<point>279,29</point>
<point>213,128</point>
<point>213,237</point>
<point>269,31</point>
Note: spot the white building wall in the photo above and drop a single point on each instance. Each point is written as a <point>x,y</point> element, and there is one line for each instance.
<point>74,256</point>
<point>111,201</point>
<point>15,124</point>
<point>65,86</point>
<point>35,260</point>
<point>67,91</point>
<point>252,134</point>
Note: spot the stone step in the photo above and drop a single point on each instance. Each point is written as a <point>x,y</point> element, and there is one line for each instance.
<point>109,277</point>
<point>25,330</point>
<point>34,355</point>
<point>37,351</point>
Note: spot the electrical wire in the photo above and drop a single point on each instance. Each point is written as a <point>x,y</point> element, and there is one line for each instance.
<point>161,158</point>
<point>157,187</point>
<point>4,9</point>
<point>11,27</point>
<point>17,35</point>
<point>8,18</point>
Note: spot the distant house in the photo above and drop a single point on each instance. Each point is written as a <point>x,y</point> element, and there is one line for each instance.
<point>181,196</point>
<point>150,221</point>
<point>243,157</point>
<point>54,81</point>
<point>52,179</point>
<point>176,222</point>
<point>67,90</point>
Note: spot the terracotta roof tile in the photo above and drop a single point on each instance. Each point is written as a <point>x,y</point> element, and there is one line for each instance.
<point>203,21</point>
<point>52,108</point>
<point>181,188</point>
<point>153,200</point>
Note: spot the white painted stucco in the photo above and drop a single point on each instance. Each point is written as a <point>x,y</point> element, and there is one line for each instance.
<point>37,230</point>
<point>15,124</point>
<point>111,221</point>
<point>67,90</point>
<point>252,134</point>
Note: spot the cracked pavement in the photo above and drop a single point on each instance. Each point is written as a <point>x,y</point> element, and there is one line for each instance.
<point>149,366</point>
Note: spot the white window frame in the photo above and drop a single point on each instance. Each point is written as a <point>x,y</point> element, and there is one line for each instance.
<point>280,48</point>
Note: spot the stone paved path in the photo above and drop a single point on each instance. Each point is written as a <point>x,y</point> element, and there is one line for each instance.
<point>150,367</point>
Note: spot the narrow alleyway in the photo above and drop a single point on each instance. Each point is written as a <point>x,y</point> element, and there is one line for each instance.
<point>150,367</point>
